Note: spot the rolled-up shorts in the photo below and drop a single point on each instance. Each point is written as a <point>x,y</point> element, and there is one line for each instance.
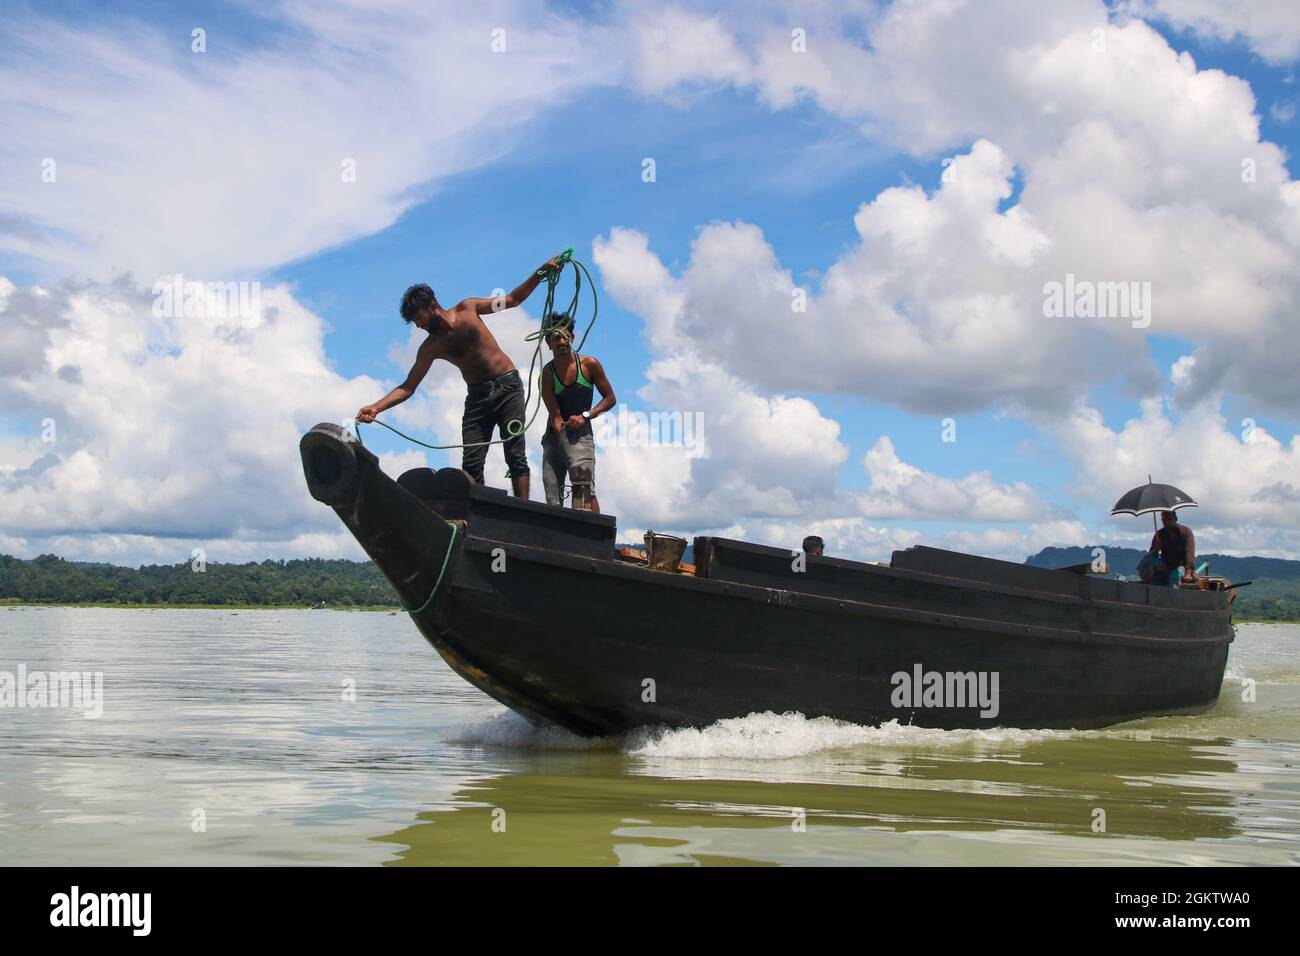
<point>562,452</point>
<point>494,404</point>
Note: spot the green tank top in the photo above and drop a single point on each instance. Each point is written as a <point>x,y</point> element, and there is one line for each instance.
<point>576,397</point>
<point>581,381</point>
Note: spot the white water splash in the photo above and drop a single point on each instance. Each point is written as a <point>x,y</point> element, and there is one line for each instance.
<point>1237,675</point>
<point>771,736</point>
<point>505,728</point>
<point>765,736</point>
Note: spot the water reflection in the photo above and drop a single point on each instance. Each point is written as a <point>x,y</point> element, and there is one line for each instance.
<point>610,808</point>
<point>247,718</point>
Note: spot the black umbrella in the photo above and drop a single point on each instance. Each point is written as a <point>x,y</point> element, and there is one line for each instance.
<point>1150,498</point>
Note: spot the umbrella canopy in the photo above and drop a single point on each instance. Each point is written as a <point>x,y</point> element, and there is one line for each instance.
<point>1150,498</point>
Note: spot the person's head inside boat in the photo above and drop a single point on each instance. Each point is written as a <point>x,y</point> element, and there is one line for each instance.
<point>813,546</point>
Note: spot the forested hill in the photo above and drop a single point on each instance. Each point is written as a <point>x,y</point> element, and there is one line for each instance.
<point>297,583</point>
<point>1125,561</point>
<point>1275,595</point>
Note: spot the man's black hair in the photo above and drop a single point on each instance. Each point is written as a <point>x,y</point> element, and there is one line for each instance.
<point>812,541</point>
<point>416,299</point>
<point>558,321</point>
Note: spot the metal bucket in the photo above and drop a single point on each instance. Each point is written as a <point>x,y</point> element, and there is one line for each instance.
<point>664,551</point>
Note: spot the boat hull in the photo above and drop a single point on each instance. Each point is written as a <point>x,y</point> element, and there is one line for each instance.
<point>673,650</point>
<point>528,603</point>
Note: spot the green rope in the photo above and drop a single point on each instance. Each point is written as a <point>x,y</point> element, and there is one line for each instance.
<point>551,323</point>
<point>441,571</point>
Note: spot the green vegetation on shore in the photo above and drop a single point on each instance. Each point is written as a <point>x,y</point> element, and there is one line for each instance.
<point>299,583</point>
<point>358,608</point>
<point>358,585</point>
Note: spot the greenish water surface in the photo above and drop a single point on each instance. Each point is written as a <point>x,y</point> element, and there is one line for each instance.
<point>299,737</point>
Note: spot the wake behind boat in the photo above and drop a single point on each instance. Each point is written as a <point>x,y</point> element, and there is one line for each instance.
<point>534,605</point>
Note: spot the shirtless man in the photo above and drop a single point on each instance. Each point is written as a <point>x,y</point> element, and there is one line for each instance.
<point>496,393</point>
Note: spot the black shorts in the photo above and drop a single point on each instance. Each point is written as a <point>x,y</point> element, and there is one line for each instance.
<point>494,404</point>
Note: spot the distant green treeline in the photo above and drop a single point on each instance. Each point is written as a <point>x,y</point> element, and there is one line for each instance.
<point>298,583</point>
<point>1275,596</point>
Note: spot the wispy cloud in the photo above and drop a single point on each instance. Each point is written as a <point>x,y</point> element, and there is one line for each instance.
<point>125,150</point>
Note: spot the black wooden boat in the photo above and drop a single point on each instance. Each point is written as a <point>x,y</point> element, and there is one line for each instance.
<point>531,604</point>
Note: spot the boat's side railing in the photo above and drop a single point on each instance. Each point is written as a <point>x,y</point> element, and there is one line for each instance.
<point>726,560</point>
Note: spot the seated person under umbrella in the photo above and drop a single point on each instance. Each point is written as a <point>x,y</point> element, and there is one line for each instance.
<point>1177,548</point>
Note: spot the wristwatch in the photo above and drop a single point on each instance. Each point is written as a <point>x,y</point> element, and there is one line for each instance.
<point>586,415</point>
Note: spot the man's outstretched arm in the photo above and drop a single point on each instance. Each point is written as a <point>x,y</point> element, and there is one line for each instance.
<point>423,362</point>
<point>515,298</point>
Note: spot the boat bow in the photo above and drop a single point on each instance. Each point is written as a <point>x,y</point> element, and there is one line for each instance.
<point>409,543</point>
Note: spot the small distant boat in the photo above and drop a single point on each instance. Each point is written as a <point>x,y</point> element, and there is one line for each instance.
<point>317,606</point>
<point>535,606</point>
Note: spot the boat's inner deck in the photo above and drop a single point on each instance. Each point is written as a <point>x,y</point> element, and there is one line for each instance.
<point>924,577</point>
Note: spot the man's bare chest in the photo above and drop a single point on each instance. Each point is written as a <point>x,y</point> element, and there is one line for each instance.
<point>459,341</point>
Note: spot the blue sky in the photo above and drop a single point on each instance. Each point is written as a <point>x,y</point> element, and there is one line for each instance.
<point>797,173</point>
<point>565,169</point>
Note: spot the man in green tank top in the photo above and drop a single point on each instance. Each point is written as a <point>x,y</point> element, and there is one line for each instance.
<point>569,448</point>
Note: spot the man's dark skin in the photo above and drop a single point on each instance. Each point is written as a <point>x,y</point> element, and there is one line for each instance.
<point>460,337</point>
<point>1168,519</point>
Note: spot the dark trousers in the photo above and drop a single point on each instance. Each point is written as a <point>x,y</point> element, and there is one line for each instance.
<point>494,404</point>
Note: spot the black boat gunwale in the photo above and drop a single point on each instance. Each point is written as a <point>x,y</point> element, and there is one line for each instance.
<point>763,595</point>
<point>974,584</point>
